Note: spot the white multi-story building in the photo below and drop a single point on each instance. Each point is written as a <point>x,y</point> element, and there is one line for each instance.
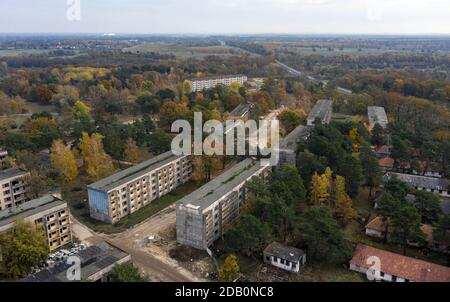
<point>323,110</point>
<point>49,212</point>
<point>377,115</point>
<point>13,188</point>
<point>124,193</point>
<point>200,84</point>
<point>203,215</point>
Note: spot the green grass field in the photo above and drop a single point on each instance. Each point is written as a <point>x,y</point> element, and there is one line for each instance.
<point>20,52</point>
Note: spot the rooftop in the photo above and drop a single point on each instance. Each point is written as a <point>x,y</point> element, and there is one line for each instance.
<point>320,109</point>
<point>93,260</point>
<point>423,181</point>
<point>401,266</point>
<point>291,140</point>
<point>13,172</point>
<point>122,177</point>
<point>28,209</point>
<point>288,253</point>
<point>386,162</point>
<point>377,115</point>
<point>209,193</point>
<point>242,109</point>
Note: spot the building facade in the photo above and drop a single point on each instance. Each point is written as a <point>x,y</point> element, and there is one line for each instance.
<point>13,188</point>
<point>203,215</point>
<point>395,267</point>
<point>423,183</point>
<point>323,110</point>
<point>49,212</point>
<point>200,84</point>
<point>289,145</point>
<point>3,155</point>
<point>124,193</point>
<point>286,258</point>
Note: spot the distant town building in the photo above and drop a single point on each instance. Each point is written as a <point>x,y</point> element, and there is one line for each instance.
<point>13,188</point>
<point>203,215</point>
<point>344,91</point>
<point>377,115</point>
<point>3,155</point>
<point>97,263</point>
<point>49,212</point>
<point>288,145</point>
<point>397,268</point>
<point>323,110</point>
<point>430,184</point>
<point>200,84</point>
<point>287,258</point>
<point>124,193</point>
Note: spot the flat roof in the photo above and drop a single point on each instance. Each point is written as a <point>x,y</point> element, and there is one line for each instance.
<point>205,196</point>
<point>377,115</point>
<point>13,172</point>
<point>423,181</point>
<point>122,177</point>
<point>288,253</point>
<point>242,109</point>
<point>320,109</point>
<point>290,141</point>
<point>28,209</point>
<point>218,77</point>
<point>93,260</point>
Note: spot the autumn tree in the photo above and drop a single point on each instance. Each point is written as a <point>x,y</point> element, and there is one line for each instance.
<point>343,204</point>
<point>22,249</point>
<point>172,111</point>
<point>290,119</point>
<point>63,161</point>
<point>98,164</point>
<point>132,153</point>
<point>230,270</point>
<point>42,131</point>
<point>81,111</point>
<point>37,184</point>
<point>319,190</point>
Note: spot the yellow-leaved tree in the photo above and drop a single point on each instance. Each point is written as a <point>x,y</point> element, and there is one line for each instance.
<point>63,161</point>
<point>343,204</point>
<point>230,270</point>
<point>319,192</point>
<point>98,164</point>
<point>132,153</point>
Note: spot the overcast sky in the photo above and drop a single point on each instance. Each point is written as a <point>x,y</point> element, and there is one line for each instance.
<point>227,16</point>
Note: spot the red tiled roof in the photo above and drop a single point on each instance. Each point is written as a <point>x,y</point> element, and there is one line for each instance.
<point>377,224</point>
<point>401,266</point>
<point>386,162</point>
<point>383,149</point>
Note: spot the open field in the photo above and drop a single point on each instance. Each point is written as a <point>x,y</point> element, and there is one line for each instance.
<point>20,52</point>
<point>183,51</point>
